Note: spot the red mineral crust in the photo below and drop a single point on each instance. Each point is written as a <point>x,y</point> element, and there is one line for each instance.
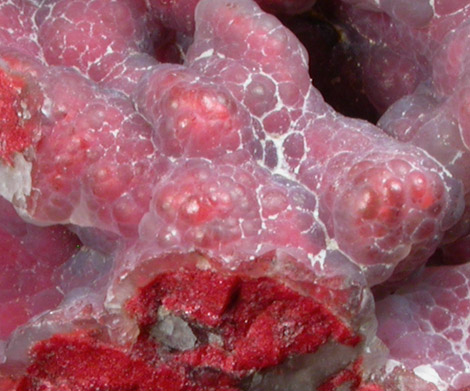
<point>13,137</point>
<point>230,222</point>
<point>203,329</point>
<point>17,105</point>
<point>80,362</point>
<point>251,323</point>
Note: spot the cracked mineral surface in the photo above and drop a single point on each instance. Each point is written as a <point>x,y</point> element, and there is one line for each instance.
<point>183,207</point>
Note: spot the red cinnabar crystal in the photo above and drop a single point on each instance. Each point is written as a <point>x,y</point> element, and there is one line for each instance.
<point>14,137</point>
<point>199,330</point>
<point>81,363</point>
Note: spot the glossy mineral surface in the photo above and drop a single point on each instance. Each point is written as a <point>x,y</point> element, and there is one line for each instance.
<point>182,210</point>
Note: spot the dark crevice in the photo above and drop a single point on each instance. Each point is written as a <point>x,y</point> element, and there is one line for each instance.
<point>333,66</point>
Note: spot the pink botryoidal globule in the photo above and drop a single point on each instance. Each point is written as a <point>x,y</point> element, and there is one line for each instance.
<point>214,223</point>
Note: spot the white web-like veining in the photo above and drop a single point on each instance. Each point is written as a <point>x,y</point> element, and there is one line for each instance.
<point>434,308</point>
<point>17,184</point>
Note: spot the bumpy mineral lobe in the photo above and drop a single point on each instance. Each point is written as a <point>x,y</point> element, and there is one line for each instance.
<point>313,147</point>
<point>416,14</point>
<point>435,115</point>
<point>31,259</point>
<point>243,218</point>
<point>395,53</point>
<point>425,325</point>
<point>279,120</point>
<point>17,26</point>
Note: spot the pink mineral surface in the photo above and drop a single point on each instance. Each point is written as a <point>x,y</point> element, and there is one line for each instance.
<point>189,200</point>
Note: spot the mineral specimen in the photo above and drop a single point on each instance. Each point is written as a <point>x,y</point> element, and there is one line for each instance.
<point>191,215</point>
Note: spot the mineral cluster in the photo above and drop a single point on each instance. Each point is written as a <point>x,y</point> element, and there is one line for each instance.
<point>190,200</point>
